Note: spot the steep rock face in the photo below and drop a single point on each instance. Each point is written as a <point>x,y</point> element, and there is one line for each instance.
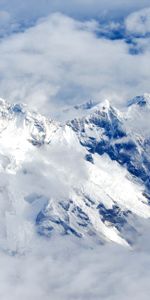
<point>75,179</point>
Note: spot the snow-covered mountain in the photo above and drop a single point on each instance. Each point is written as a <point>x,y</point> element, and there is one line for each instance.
<point>88,178</point>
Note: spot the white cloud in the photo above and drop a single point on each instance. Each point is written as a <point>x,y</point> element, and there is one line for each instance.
<point>138,23</point>
<point>61,61</point>
<point>63,268</point>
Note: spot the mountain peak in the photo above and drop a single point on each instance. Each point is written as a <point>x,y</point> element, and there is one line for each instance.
<point>102,106</point>
<point>86,105</point>
<point>143,100</point>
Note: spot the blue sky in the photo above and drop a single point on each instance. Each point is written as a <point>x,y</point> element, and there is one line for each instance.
<point>60,53</point>
<point>81,9</point>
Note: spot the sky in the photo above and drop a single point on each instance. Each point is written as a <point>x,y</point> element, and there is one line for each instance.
<point>55,54</point>
<point>84,9</point>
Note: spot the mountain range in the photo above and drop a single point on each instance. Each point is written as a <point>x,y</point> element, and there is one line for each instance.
<point>88,178</point>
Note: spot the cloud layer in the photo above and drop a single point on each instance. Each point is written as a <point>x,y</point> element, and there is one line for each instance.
<point>67,270</point>
<point>61,61</point>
